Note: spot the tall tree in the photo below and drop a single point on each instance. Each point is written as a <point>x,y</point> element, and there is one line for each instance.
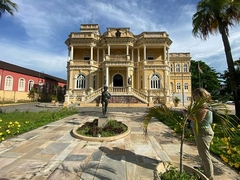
<point>215,16</point>
<point>7,5</point>
<point>208,79</point>
<point>226,77</point>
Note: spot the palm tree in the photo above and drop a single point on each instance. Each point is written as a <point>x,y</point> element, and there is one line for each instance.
<point>220,114</point>
<point>215,16</point>
<point>7,5</point>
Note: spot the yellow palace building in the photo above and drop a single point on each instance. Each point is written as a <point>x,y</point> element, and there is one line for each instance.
<point>138,69</point>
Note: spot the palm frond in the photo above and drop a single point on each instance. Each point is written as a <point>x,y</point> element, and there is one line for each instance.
<point>155,112</point>
<point>221,115</point>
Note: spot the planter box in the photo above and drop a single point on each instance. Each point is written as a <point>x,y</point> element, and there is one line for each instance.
<point>162,166</point>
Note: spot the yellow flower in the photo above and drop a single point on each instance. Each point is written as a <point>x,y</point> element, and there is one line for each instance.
<point>214,125</point>
<point>1,120</point>
<point>230,163</point>
<point>2,138</point>
<point>236,165</point>
<point>229,151</point>
<point>212,143</point>
<point>237,126</point>
<point>10,123</point>
<point>232,129</point>
<point>1,133</point>
<point>19,125</point>
<point>16,122</point>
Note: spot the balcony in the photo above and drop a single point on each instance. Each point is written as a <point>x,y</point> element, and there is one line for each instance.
<point>117,57</point>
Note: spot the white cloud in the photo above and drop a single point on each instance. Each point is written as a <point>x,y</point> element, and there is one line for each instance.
<point>40,28</point>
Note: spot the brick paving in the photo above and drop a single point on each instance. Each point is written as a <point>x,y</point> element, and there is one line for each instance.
<point>51,152</point>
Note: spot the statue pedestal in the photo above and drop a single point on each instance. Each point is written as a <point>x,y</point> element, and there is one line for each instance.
<point>102,121</point>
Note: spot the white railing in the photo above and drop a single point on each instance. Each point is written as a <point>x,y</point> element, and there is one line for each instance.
<point>118,90</point>
<point>93,95</point>
<point>140,94</point>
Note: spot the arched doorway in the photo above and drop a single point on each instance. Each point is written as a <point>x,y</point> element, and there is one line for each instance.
<point>118,80</point>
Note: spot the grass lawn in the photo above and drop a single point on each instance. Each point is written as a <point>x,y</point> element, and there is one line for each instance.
<point>16,123</point>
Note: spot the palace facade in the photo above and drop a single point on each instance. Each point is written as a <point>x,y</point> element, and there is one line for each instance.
<point>138,69</point>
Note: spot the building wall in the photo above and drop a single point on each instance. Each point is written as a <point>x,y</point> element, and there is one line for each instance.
<point>135,57</point>
<point>15,94</point>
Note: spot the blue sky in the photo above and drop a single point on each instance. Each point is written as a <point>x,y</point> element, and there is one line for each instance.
<point>34,37</point>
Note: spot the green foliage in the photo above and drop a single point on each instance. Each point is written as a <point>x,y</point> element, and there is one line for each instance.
<point>173,173</point>
<point>8,6</point>
<point>176,99</point>
<point>178,123</point>
<point>112,128</point>
<point>208,79</point>
<point>15,123</point>
<point>32,94</point>
<point>216,16</point>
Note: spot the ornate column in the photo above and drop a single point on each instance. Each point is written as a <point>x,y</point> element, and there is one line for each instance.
<point>128,76</point>
<point>127,50</point>
<point>104,58</point>
<point>109,50</point>
<point>164,55</point>
<point>98,55</point>
<point>144,80</point>
<point>132,54</point>
<point>107,76</point>
<point>91,78</point>
<point>71,55</point>
<point>144,52</point>
<point>91,58</point>
<point>138,54</point>
<point>70,79</point>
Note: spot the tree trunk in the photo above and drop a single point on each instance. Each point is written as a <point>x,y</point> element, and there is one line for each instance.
<point>231,69</point>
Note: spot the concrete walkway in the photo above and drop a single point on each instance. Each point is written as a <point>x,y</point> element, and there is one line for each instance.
<point>51,153</point>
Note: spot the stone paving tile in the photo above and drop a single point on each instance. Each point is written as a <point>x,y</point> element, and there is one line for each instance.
<point>50,152</point>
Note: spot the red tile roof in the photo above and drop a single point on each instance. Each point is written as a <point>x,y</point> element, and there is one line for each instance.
<point>22,70</point>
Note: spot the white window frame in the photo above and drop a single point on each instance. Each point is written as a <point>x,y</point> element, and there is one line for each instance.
<point>185,87</point>
<point>177,69</point>
<point>185,68</point>
<point>30,85</point>
<point>21,84</point>
<point>8,83</point>
<point>155,81</point>
<point>178,87</point>
<point>80,81</point>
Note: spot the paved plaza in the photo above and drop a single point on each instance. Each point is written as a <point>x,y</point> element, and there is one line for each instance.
<point>52,153</point>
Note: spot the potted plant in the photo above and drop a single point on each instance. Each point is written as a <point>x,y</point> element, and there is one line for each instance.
<point>220,113</point>
<point>53,98</point>
<point>176,101</point>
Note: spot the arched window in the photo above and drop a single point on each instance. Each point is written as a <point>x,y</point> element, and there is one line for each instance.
<point>80,82</point>
<point>177,68</point>
<point>185,68</point>
<point>155,81</point>
<point>30,85</point>
<point>21,84</point>
<point>8,83</point>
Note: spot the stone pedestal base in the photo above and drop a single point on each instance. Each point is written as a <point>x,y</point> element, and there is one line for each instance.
<point>102,121</point>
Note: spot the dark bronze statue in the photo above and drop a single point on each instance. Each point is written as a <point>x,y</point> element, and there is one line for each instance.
<point>105,97</point>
